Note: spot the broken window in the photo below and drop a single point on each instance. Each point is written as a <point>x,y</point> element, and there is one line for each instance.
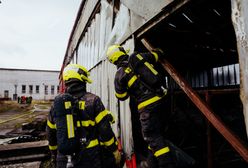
<point>37,89</point>
<point>52,89</point>
<point>6,94</point>
<point>23,88</point>
<point>46,89</point>
<point>30,89</point>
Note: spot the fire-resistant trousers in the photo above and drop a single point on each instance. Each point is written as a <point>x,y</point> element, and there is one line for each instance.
<point>152,133</point>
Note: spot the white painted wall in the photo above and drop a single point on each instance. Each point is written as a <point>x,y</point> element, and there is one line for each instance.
<point>11,77</point>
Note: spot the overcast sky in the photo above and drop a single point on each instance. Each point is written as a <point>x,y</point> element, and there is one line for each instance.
<point>34,33</point>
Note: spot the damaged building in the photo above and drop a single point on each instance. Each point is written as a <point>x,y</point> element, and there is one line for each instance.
<point>205,66</point>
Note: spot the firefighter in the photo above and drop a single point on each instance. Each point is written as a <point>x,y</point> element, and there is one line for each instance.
<point>97,125</point>
<point>149,99</point>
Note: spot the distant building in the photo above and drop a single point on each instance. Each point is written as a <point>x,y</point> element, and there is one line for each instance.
<point>40,84</point>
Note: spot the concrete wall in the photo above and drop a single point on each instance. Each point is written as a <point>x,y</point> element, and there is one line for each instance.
<point>12,80</point>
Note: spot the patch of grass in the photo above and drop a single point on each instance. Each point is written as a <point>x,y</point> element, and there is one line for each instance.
<point>9,106</point>
<point>47,164</point>
<point>6,106</point>
<point>13,109</point>
<point>42,102</point>
<point>18,125</point>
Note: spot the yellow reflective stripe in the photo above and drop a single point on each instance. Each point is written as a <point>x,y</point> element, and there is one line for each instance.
<point>70,126</point>
<point>149,101</point>
<point>132,80</point>
<point>148,65</point>
<point>120,95</point>
<point>101,115</point>
<point>155,55</point>
<point>128,70</point>
<point>110,142</point>
<point>81,105</point>
<point>78,124</point>
<point>53,147</point>
<point>67,104</point>
<point>51,125</point>
<point>101,143</point>
<point>93,143</point>
<point>151,68</point>
<point>161,151</point>
<point>139,56</point>
<point>88,123</point>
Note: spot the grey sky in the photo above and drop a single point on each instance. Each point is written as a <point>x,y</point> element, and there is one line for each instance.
<point>34,33</point>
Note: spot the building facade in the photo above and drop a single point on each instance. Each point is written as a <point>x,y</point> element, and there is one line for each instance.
<point>40,84</point>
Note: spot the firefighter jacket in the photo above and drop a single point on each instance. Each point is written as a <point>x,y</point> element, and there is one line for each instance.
<point>95,121</point>
<point>129,83</point>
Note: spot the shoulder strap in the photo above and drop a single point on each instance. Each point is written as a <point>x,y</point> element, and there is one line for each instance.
<point>77,112</point>
<point>134,62</point>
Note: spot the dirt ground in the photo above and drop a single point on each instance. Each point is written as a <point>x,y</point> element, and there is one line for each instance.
<point>14,115</point>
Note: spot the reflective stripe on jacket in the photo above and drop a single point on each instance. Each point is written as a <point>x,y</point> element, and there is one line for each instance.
<point>128,83</point>
<point>94,120</point>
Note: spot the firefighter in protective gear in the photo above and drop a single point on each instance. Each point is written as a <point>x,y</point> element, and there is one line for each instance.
<point>149,102</point>
<point>95,122</point>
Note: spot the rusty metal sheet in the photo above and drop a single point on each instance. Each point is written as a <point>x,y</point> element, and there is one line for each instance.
<point>121,30</point>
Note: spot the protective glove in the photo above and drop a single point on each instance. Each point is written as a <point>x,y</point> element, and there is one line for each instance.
<point>111,117</point>
<point>117,156</point>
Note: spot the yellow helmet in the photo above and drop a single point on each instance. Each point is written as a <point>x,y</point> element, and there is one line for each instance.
<point>115,52</point>
<point>76,71</point>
